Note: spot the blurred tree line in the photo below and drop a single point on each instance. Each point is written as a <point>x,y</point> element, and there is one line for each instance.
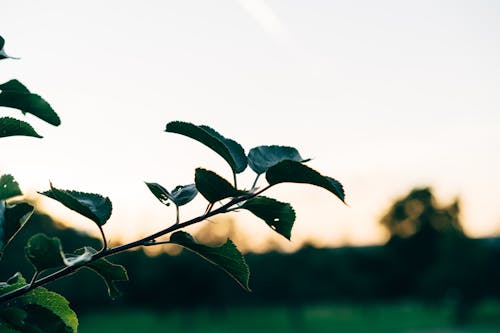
<point>428,257</point>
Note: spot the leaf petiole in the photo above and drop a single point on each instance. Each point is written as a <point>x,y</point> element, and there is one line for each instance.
<point>33,279</point>
<point>104,240</point>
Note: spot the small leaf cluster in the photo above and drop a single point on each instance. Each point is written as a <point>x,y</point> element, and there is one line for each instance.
<point>35,309</point>
<point>280,164</point>
<point>13,94</point>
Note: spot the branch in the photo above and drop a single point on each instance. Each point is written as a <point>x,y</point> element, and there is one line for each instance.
<point>146,241</point>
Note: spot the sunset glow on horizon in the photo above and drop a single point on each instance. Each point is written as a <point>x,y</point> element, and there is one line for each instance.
<point>383,97</point>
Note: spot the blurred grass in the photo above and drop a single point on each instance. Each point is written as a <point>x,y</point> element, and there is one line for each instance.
<point>403,317</point>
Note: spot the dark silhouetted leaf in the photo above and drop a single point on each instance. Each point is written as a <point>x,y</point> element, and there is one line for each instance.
<point>8,187</point>
<point>44,252</point>
<point>111,273</point>
<point>226,256</point>
<point>160,193</point>
<point>12,219</point>
<point>213,187</point>
<point>228,149</point>
<point>180,195</point>
<point>295,172</point>
<point>184,194</point>
<point>3,55</point>
<point>14,86</point>
<point>14,127</point>
<point>235,149</point>
<point>91,205</point>
<point>279,216</point>
<point>263,157</point>
<point>15,95</point>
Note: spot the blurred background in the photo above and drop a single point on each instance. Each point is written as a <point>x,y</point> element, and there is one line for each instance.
<point>397,100</point>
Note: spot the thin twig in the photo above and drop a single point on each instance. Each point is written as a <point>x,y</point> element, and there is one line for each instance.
<point>209,208</point>
<point>235,181</point>
<point>255,181</point>
<point>35,275</point>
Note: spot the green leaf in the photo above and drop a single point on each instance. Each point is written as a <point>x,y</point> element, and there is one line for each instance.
<point>12,127</point>
<point>111,273</point>
<point>37,311</point>
<point>278,215</point>
<point>295,172</point>
<point>12,219</point>
<point>228,149</point>
<point>213,187</point>
<point>14,86</point>
<point>40,320</point>
<point>47,311</point>
<point>14,282</point>
<point>15,95</point>
<point>263,157</point>
<point>44,252</point>
<point>180,195</point>
<point>32,319</point>
<point>8,187</point>
<point>227,257</point>
<point>91,205</point>
<point>12,317</point>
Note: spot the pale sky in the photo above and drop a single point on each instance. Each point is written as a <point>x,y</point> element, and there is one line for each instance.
<point>384,95</point>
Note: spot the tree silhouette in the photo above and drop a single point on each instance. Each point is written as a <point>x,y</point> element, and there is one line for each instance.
<point>419,212</point>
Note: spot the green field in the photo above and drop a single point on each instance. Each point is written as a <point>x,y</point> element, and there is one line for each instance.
<point>405,317</point>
